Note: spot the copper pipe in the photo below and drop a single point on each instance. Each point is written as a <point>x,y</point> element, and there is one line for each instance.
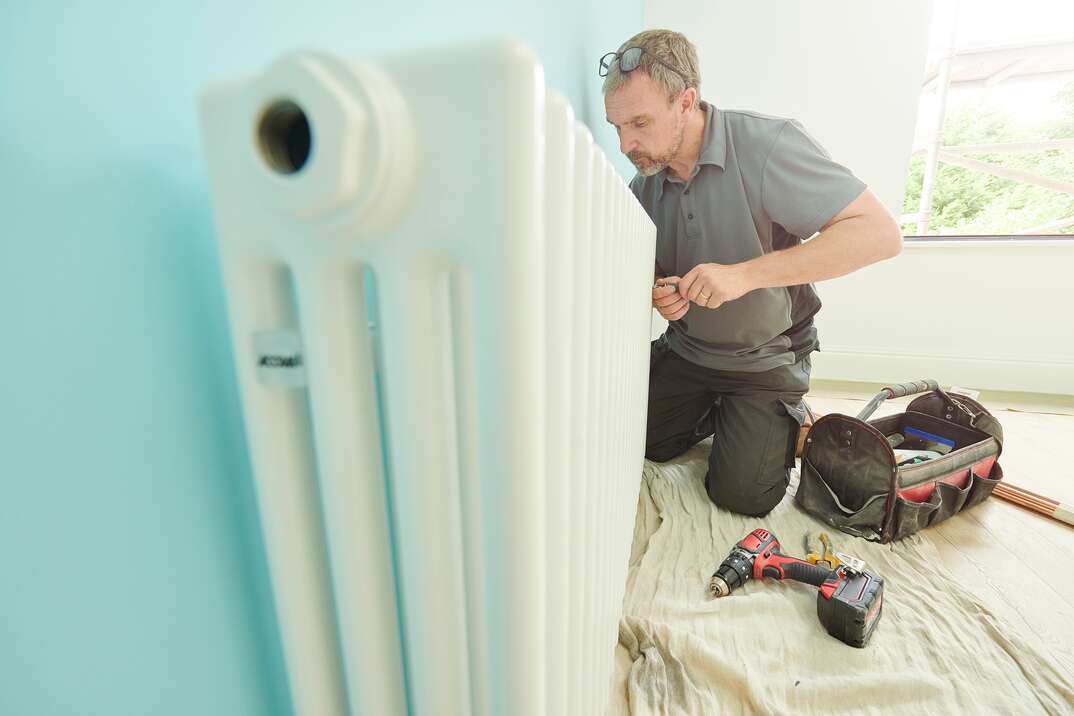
<point>1037,503</point>
<point>1024,498</point>
<point>1027,493</point>
<point>1036,506</point>
<point>1030,502</point>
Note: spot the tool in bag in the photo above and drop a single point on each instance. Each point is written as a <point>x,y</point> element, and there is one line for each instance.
<point>849,599</point>
<point>863,477</point>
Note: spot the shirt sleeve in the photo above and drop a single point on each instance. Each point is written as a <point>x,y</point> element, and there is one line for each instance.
<point>802,188</point>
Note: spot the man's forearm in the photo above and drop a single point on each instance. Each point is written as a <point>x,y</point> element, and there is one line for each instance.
<point>843,247</point>
<point>862,233</point>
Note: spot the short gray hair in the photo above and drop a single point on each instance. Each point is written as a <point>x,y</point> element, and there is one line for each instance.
<point>665,51</point>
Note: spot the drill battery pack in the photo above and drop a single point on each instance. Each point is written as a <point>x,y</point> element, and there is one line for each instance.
<point>849,604</point>
<point>854,479</point>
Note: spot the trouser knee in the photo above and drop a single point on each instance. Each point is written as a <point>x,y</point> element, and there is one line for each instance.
<point>670,447</point>
<point>753,500</point>
<point>660,455</point>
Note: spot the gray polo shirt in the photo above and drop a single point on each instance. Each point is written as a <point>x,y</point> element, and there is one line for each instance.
<point>761,184</point>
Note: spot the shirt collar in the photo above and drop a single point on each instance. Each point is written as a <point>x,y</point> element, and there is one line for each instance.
<point>713,147</point>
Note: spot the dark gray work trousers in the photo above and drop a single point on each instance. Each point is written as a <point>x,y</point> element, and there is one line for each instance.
<point>754,417</point>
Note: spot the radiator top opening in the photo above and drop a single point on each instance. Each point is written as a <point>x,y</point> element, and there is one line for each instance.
<point>284,137</point>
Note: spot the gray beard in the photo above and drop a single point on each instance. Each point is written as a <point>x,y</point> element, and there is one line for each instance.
<point>651,169</point>
<point>659,164</point>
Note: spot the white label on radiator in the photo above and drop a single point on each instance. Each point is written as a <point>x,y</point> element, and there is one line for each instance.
<point>279,358</point>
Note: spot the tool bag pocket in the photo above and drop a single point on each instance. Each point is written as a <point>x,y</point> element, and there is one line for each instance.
<point>851,477</point>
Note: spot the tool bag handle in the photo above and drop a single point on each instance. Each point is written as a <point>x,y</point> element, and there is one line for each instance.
<point>917,386</point>
<point>898,391</point>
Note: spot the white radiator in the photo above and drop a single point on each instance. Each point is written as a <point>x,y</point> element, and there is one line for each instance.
<point>439,295</point>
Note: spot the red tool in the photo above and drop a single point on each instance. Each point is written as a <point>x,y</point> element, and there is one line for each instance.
<point>849,599</point>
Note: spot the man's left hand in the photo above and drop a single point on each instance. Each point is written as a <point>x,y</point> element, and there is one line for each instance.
<point>709,285</point>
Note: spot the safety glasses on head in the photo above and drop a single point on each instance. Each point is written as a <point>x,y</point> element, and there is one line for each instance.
<point>629,59</point>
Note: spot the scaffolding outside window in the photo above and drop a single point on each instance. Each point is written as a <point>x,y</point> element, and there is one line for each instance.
<point>994,145</point>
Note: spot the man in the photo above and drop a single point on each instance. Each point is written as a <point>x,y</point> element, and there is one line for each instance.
<point>733,196</point>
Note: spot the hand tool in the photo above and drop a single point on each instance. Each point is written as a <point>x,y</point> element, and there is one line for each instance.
<point>821,554</point>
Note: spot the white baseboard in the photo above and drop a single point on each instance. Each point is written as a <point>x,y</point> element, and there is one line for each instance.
<point>1048,377</point>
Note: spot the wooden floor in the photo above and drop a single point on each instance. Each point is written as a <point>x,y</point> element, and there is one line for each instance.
<point>1017,562</point>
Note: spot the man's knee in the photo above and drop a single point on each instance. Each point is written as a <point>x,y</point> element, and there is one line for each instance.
<point>745,497</point>
<point>667,449</point>
<point>748,468</point>
<point>660,454</point>
<point>665,441</point>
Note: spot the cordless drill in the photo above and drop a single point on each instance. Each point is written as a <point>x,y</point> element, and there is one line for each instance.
<point>849,599</point>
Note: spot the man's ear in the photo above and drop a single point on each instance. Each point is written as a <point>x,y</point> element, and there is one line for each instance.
<point>688,99</point>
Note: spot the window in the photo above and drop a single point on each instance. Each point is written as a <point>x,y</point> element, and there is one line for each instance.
<point>994,144</point>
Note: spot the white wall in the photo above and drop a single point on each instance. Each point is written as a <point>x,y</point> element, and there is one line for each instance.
<point>985,315</point>
<point>995,315</point>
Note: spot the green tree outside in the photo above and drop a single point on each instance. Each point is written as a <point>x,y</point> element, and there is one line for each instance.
<point>967,202</point>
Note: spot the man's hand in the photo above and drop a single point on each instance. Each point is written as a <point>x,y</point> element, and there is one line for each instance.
<point>709,285</point>
<point>671,305</point>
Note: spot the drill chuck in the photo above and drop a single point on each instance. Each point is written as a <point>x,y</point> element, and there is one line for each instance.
<point>732,573</point>
<point>719,587</point>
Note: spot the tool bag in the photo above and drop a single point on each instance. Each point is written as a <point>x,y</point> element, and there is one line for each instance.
<point>850,477</point>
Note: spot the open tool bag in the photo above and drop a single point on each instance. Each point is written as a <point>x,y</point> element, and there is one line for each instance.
<point>887,478</point>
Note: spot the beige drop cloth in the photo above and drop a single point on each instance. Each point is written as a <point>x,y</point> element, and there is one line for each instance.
<point>936,649</point>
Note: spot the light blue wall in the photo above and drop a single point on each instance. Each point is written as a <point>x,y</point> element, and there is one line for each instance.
<point>132,577</point>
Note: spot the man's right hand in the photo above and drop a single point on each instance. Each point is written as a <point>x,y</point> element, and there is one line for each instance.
<point>667,300</point>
